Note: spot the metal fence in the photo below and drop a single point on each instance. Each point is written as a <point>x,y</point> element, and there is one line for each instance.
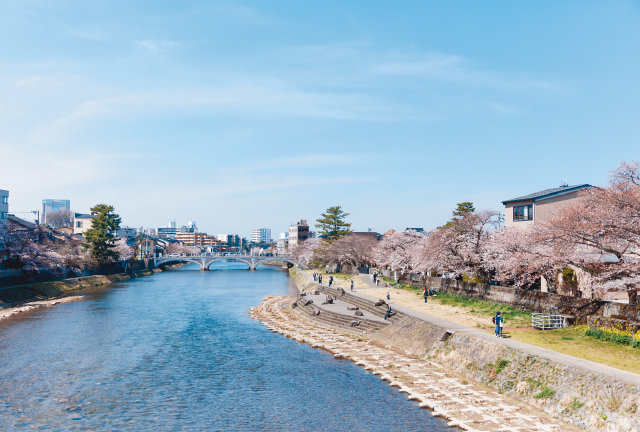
<point>546,321</point>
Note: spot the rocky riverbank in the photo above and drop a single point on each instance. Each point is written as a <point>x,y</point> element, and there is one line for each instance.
<point>468,405</point>
<point>582,397</point>
<point>24,298</point>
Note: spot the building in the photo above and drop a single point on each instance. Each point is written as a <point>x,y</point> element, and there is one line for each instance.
<point>367,234</point>
<point>82,222</point>
<point>416,229</point>
<point>126,232</point>
<point>4,206</point>
<point>51,206</point>
<point>539,206</point>
<point>298,232</point>
<point>261,235</point>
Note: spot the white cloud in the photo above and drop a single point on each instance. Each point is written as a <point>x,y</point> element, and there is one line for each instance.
<point>156,46</point>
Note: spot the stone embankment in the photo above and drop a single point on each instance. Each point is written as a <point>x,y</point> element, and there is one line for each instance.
<point>23,298</point>
<point>585,398</point>
<point>467,405</point>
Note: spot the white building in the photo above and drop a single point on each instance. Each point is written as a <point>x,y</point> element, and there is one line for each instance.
<point>82,222</point>
<point>261,235</point>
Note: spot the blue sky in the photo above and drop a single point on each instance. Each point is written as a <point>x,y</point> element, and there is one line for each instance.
<point>245,114</point>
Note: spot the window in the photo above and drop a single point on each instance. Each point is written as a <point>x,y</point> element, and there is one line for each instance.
<point>5,199</point>
<point>78,224</point>
<point>523,213</point>
<point>3,215</point>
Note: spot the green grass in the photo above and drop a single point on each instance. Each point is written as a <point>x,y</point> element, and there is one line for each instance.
<point>513,317</point>
<point>576,404</point>
<point>612,337</point>
<point>545,393</point>
<point>500,365</point>
<point>574,342</point>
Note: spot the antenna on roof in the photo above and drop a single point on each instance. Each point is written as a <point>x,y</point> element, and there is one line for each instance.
<point>564,183</point>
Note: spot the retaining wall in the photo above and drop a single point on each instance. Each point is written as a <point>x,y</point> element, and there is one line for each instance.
<point>537,301</point>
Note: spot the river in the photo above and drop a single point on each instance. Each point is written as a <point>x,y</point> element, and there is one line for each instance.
<point>177,351</point>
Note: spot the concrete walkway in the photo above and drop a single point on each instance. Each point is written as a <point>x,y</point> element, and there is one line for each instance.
<point>340,307</point>
<point>565,359</point>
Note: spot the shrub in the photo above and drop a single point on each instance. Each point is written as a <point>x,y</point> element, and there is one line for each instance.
<point>545,393</point>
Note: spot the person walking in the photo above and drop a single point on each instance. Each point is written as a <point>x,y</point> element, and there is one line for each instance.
<point>330,281</point>
<point>315,276</point>
<point>320,279</point>
<point>498,322</point>
<point>388,298</point>
<point>425,294</point>
<point>351,284</point>
<point>375,278</point>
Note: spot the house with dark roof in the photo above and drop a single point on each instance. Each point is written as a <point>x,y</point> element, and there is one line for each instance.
<point>539,206</point>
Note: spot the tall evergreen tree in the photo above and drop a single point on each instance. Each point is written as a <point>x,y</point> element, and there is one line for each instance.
<point>332,224</point>
<point>462,209</point>
<point>100,238</point>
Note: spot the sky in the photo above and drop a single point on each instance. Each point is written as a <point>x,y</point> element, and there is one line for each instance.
<point>259,113</point>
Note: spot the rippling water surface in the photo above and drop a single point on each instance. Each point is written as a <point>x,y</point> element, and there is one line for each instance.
<point>177,351</point>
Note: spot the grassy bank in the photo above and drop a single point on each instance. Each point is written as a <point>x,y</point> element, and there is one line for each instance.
<point>483,309</point>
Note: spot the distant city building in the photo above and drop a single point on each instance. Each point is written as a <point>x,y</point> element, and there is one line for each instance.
<point>282,245</point>
<point>82,222</point>
<point>261,235</point>
<point>4,206</point>
<point>125,232</point>
<point>539,206</point>
<point>51,206</point>
<point>298,232</point>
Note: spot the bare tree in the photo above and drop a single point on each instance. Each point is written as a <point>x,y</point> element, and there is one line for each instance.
<point>60,219</point>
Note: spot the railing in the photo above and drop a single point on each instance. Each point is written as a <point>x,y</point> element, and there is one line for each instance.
<point>547,321</point>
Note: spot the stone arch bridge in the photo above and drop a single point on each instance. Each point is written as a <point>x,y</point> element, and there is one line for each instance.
<point>205,260</point>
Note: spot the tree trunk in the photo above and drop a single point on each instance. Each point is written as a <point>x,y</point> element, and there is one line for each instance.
<point>633,297</point>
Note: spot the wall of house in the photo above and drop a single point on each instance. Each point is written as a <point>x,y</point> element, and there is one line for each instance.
<point>545,209</point>
<point>85,225</point>
<point>508,215</point>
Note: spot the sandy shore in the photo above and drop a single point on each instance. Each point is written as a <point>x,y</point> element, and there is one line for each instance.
<point>8,312</point>
<point>466,405</point>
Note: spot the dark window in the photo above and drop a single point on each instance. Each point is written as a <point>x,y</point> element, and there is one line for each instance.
<point>522,213</point>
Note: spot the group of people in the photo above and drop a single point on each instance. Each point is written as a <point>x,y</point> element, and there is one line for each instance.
<point>374,278</point>
<point>426,293</point>
<point>317,277</point>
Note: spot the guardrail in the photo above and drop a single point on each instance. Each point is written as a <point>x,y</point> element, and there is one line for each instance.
<point>547,321</point>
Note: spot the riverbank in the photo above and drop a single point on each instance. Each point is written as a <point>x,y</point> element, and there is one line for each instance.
<point>597,399</point>
<point>467,405</point>
<point>47,294</point>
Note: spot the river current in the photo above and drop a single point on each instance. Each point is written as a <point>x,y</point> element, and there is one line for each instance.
<point>177,351</point>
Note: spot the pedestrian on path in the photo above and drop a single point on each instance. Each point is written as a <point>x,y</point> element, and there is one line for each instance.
<point>330,281</point>
<point>315,276</point>
<point>388,298</point>
<point>425,294</point>
<point>375,278</point>
<point>320,279</point>
<point>498,322</point>
<point>351,284</point>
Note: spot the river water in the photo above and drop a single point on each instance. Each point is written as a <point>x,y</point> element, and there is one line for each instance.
<point>177,351</point>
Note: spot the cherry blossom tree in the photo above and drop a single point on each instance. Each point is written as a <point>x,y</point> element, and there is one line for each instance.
<point>600,232</point>
<point>459,247</point>
<point>125,252</point>
<point>304,253</point>
<point>397,250</point>
<point>356,250</point>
